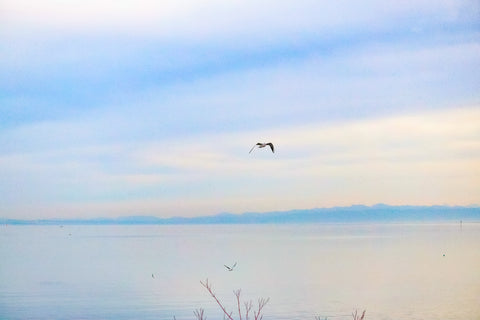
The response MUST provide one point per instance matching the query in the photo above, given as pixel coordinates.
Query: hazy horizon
(378, 213)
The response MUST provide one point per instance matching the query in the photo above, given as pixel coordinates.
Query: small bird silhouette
(230, 268)
(263, 145)
(153, 276)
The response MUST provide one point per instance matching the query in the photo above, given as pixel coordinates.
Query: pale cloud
(411, 159)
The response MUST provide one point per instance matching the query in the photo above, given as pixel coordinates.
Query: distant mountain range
(351, 214)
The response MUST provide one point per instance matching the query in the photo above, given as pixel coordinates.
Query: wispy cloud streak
(318, 165)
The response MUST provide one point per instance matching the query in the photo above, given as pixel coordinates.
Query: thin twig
(237, 294)
(261, 303)
(208, 286)
(357, 317)
(248, 307)
(199, 314)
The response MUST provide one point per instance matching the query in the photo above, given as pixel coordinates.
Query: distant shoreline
(379, 213)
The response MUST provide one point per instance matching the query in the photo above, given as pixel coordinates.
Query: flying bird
(263, 145)
(230, 268)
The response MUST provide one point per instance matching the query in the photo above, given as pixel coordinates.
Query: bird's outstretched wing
(271, 147)
(230, 268)
(253, 148)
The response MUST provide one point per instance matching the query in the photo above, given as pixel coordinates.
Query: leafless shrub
(257, 314)
(199, 314)
(358, 317)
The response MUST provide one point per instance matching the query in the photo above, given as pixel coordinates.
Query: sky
(123, 108)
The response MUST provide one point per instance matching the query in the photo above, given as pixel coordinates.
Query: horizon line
(289, 215)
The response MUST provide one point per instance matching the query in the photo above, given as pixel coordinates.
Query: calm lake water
(394, 271)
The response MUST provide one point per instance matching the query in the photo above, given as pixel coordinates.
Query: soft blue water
(105, 272)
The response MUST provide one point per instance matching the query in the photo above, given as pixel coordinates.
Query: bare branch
(248, 307)
(363, 315)
(237, 294)
(208, 286)
(357, 317)
(199, 314)
(261, 303)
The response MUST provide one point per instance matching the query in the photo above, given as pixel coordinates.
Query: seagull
(263, 145)
(230, 268)
(153, 276)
